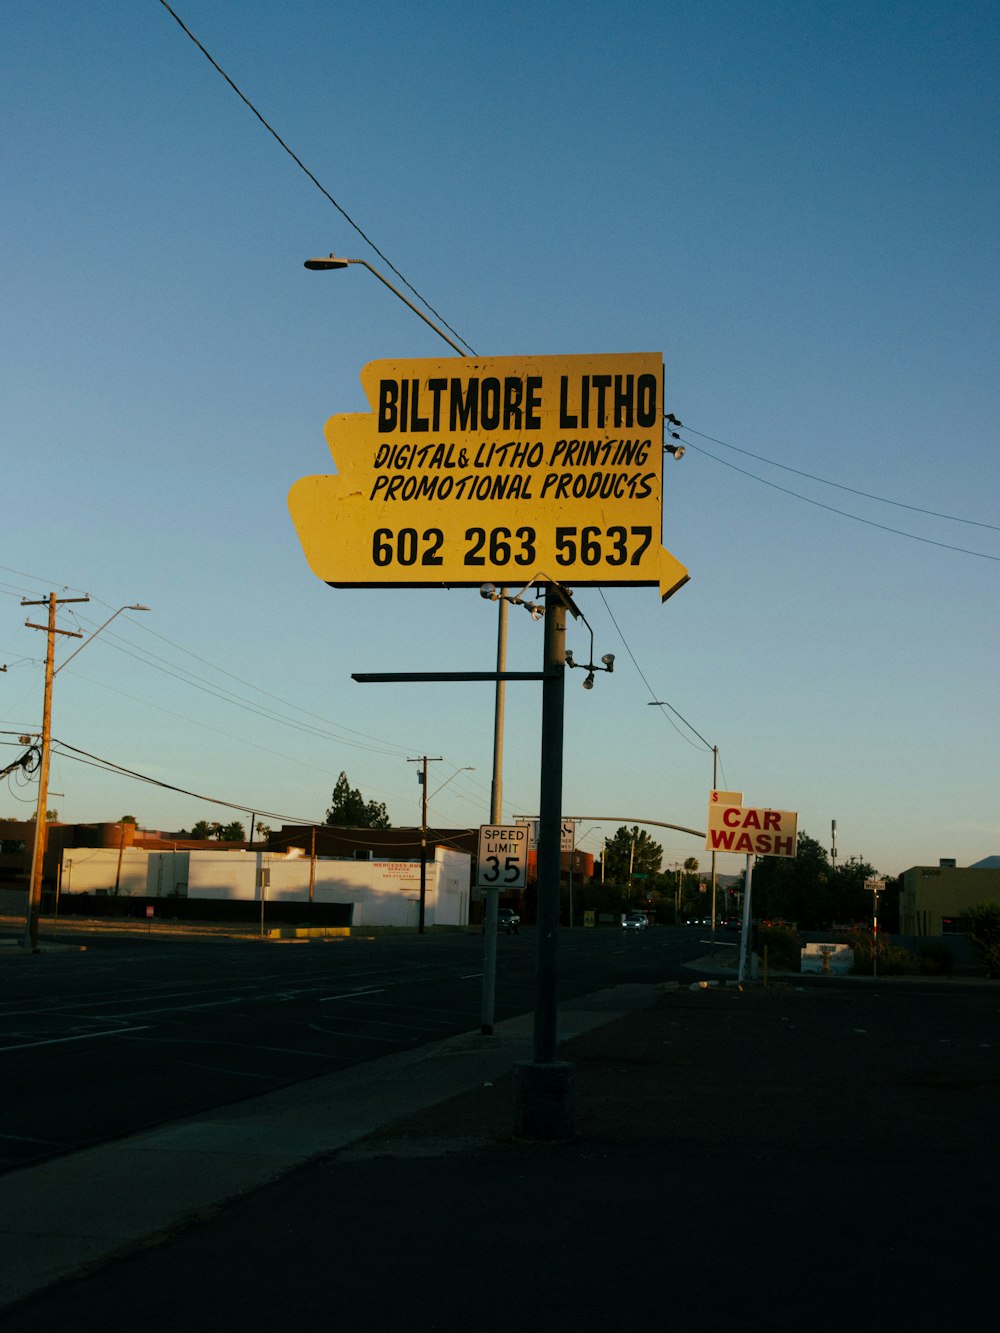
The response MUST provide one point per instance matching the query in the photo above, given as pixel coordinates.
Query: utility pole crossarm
(449, 677)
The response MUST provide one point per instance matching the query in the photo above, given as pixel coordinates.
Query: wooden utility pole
(38, 849)
(312, 865)
(424, 759)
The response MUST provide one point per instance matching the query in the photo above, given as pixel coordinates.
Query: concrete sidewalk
(814, 1155)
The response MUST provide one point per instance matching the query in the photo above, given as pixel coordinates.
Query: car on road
(634, 920)
(508, 920)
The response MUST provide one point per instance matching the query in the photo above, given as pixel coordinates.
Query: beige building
(935, 900)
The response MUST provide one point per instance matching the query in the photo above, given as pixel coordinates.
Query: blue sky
(795, 204)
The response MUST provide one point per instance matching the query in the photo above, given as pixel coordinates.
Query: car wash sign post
(752, 831)
(471, 470)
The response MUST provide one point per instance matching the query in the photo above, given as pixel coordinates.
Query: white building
(379, 893)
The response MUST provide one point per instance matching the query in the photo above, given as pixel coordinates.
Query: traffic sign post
(875, 887)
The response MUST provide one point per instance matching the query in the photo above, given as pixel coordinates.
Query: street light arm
(95, 634)
(416, 310)
(335, 262)
(469, 768)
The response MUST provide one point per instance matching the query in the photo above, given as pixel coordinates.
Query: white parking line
(352, 994)
(59, 1041)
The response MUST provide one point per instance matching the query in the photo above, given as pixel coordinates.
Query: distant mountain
(989, 863)
(726, 881)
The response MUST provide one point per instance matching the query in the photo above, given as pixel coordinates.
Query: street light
(469, 768)
(332, 262)
(95, 634)
(323, 265)
(576, 843)
(662, 703)
(33, 908)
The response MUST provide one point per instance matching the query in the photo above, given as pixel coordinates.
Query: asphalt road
(133, 1030)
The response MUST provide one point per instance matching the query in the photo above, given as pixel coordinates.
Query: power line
(227, 696)
(36, 578)
(824, 481)
(652, 693)
(366, 742)
(301, 165)
(218, 731)
(68, 751)
(832, 509)
(394, 749)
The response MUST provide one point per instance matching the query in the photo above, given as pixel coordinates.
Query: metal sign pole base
(544, 1089)
(544, 1099)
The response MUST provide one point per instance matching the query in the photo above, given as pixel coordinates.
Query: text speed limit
(503, 856)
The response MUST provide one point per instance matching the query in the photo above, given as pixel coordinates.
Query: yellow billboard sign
(501, 470)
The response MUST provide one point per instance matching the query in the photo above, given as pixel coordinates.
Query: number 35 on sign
(503, 856)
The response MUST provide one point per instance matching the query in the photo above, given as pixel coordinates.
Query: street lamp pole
(492, 896)
(333, 262)
(469, 768)
(661, 703)
(326, 264)
(715, 783)
(97, 631)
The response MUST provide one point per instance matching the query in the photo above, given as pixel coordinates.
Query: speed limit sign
(503, 856)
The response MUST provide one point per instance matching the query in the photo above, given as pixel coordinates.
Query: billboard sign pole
(503, 471)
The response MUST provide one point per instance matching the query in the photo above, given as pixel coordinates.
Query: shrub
(877, 952)
(781, 939)
(895, 961)
(985, 936)
(935, 959)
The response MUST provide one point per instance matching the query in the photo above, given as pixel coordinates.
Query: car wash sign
(749, 830)
(501, 470)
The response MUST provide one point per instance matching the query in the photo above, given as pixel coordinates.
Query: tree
(204, 830)
(349, 809)
(851, 901)
(128, 819)
(791, 887)
(692, 900)
(806, 889)
(631, 852)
